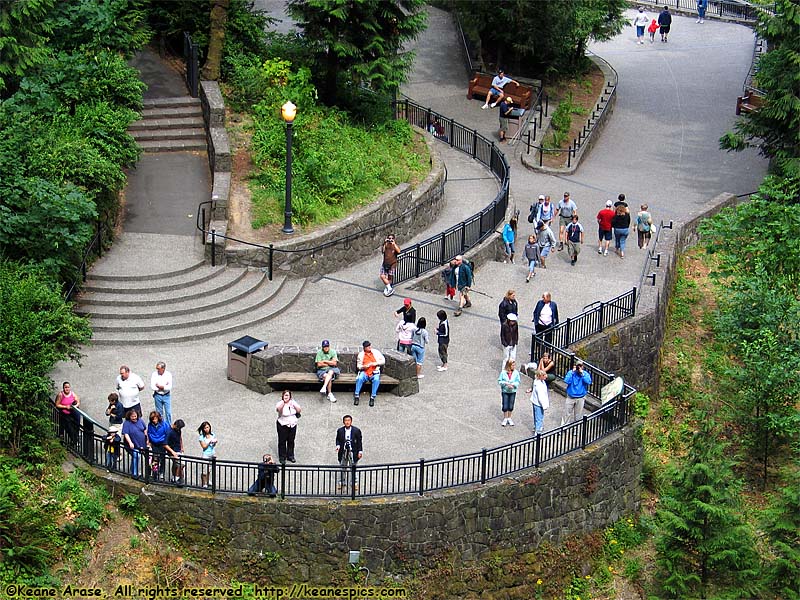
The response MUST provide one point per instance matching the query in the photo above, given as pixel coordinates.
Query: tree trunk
(216, 41)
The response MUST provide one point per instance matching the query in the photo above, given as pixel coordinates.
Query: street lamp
(288, 112)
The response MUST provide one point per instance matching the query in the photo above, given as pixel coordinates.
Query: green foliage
(23, 38)
(119, 26)
(359, 43)
(140, 522)
(775, 128)
(578, 588)
(703, 540)
(561, 120)
(781, 522)
(129, 504)
(270, 84)
(84, 505)
(543, 39)
(37, 330)
(641, 405)
(336, 166)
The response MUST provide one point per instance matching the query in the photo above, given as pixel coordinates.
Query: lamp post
(288, 112)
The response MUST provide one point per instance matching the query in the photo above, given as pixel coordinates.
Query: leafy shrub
(129, 504)
(561, 120)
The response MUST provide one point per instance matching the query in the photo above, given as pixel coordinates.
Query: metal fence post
(421, 476)
(213, 475)
(213, 248)
(88, 441)
(146, 465)
(602, 315)
(474, 143)
(269, 262)
(443, 254)
(353, 481)
(463, 237)
(567, 332)
(483, 465)
(633, 302)
(538, 447)
(416, 261)
(283, 481)
(584, 422)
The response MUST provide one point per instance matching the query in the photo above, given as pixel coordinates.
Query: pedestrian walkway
(659, 146)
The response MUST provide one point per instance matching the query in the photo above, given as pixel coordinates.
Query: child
(652, 30)
(405, 331)
(111, 444)
(115, 410)
(443, 336)
(451, 291)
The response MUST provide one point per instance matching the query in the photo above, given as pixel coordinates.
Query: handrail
(190, 58)
(731, 9)
(652, 257)
(94, 246)
(421, 257)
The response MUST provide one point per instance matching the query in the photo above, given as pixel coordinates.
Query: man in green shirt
(327, 362)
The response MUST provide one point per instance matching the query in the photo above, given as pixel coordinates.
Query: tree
(219, 16)
(37, 330)
(539, 38)
(775, 127)
(703, 539)
(359, 43)
(23, 37)
(781, 521)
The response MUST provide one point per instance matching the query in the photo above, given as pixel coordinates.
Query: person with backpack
(574, 235)
(644, 227)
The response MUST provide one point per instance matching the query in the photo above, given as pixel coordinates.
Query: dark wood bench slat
(343, 379)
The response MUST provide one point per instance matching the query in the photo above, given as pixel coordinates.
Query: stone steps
(170, 125)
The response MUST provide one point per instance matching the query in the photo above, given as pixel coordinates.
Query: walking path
(659, 146)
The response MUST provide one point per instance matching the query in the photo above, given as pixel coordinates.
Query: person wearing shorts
(390, 251)
(327, 363)
(604, 228)
(664, 22)
(565, 209)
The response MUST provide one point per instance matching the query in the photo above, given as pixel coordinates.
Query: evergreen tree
(781, 521)
(775, 128)
(24, 35)
(359, 41)
(703, 540)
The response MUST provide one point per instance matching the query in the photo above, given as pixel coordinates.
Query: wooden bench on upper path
(481, 82)
(749, 102)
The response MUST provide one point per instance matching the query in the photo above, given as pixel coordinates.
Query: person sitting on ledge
(369, 366)
(265, 482)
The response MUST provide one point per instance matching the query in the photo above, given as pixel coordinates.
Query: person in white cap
(509, 337)
(604, 228)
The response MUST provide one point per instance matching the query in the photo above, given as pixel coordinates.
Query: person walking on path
(532, 256)
(574, 235)
(509, 235)
(349, 450)
(540, 400)
(461, 279)
(604, 227)
(419, 340)
(565, 209)
(509, 337)
(369, 365)
(546, 240)
(640, 22)
(702, 5)
(546, 212)
(508, 305)
(509, 384)
(161, 384)
(545, 317)
(621, 223)
(665, 22)
(390, 250)
(327, 363)
(651, 29)
(443, 338)
(644, 227)
(578, 381)
(288, 413)
(506, 109)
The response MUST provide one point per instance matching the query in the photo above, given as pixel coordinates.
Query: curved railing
(434, 251)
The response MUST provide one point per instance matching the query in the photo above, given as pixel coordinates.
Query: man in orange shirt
(369, 370)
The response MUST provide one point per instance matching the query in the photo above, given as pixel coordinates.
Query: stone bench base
(278, 366)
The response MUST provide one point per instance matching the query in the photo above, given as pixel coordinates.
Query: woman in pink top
(66, 401)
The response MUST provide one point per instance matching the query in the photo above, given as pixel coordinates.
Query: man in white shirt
(128, 387)
(161, 384)
(495, 93)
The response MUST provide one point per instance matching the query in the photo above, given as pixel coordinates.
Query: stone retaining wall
(403, 211)
(633, 347)
(300, 359)
(308, 540)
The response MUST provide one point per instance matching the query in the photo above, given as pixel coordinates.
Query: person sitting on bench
(495, 93)
(369, 370)
(327, 362)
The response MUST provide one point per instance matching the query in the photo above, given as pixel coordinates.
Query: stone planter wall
(403, 211)
(300, 359)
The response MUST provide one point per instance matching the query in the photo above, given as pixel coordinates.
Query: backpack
(532, 215)
(574, 232)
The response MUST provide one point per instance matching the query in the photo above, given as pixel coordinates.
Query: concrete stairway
(192, 303)
(170, 125)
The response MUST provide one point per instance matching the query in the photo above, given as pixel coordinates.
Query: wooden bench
(480, 84)
(749, 103)
(348, 379)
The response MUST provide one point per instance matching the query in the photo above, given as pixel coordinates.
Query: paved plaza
(659, 146)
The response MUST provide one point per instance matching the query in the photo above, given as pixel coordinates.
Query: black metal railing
(652, 257)
(595, 117)
(433, 252)
(191, 60)
(86, 438)
(730, 9)
(104, 228)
